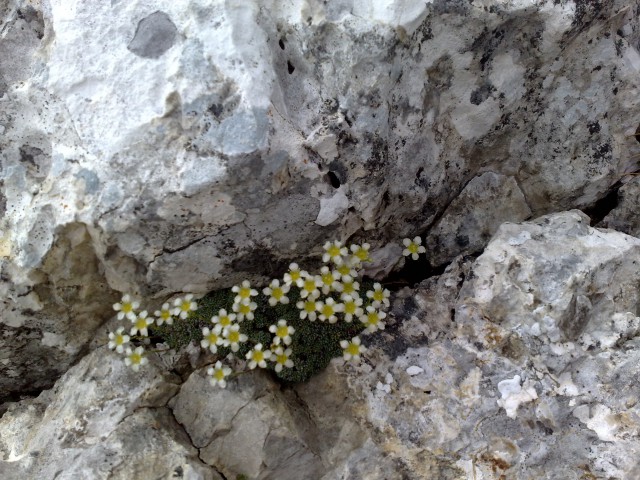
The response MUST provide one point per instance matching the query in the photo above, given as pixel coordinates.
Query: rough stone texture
(100, 421)
(473, 216)
(201, 143)
(519, 364)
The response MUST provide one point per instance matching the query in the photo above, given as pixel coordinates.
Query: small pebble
(414, 370)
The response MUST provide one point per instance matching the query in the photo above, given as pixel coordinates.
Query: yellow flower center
(344, 269)
(282, 359)
(225, 321)
(258, 355)
(212, 338)
(348, 288)
(282, 331)
(119, 339)
(350, 307)
(127, 307)
(218, 374)
(378, 295)
(310, 306)
(362, 254)
(327, 278)
(135, 358)
(277, 293)
(310, 285)
(327, 310)
(186, 306)
(245, 309)
(244, 292)
(233, 336)
(353, 349)
(295, 275)
(334, 251)
(413, 247)
(165, 314)
(141, 323)
(372, 318)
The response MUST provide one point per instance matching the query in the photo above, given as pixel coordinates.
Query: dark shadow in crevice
(603, 206)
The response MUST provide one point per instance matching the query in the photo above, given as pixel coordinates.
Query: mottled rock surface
(100, 421)
(196, 144)
(161, 147)
(521, 363)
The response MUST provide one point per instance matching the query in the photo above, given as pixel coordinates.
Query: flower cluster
(280, 326)
(127, 341)
(332, 295)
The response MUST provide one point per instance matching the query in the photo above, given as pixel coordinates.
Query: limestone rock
(191, 145)
(100, 421)
(521, 362)
(472, 218)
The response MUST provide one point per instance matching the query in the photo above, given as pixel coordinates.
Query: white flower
(118, 340)
(140, 324)
(414, 247)
(349, 288)
(164, 315)
(282, 358)
(328, 310)
(310, 286)
(234, 337)
(378, 296)
(244, 292)
(373, 320)
(334, 252)
(218, 374)
(277, 293)
(352, 307)
(212, 338)
(353, 349)
(329, 280)
(346, 271)
(283, 332)
(126, 307)
(258, 357)
(135, 358)
(183, 306)
(308, 307)
(361, 252)
(245, 310)
(223, 318)
(294, 276)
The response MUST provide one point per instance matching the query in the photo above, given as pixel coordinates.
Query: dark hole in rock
(290, 67)
(638, 134)
(333, 179)
(154, 35)
(281, 43)
(603, 206)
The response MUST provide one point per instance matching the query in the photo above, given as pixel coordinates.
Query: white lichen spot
(566, 386)
(599, 419)
(513, 394)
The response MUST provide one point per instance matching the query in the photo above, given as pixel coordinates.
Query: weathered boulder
(100, 421)
(520, 363)
(186, 145)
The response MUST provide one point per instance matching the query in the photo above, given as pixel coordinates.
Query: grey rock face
(520, 363)
(199, 144)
